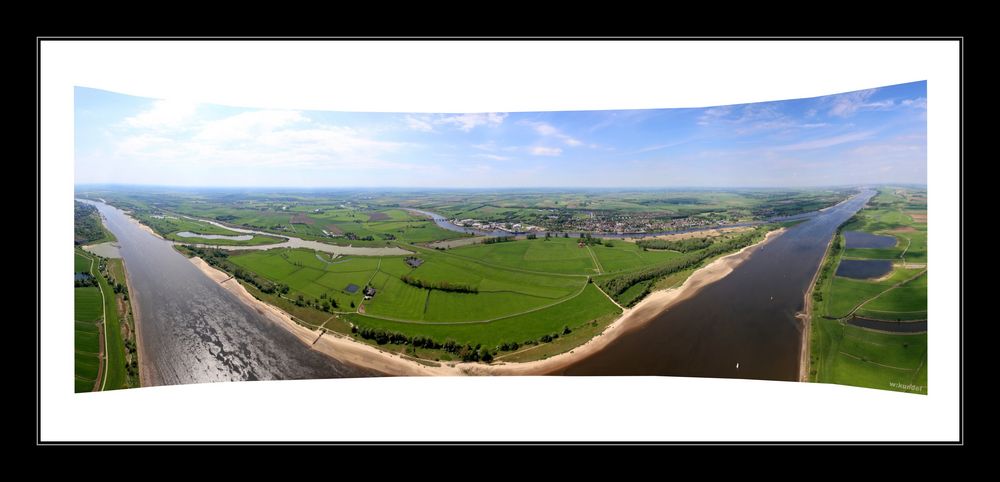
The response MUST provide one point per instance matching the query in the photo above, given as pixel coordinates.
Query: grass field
(481, 294)
(850, 355)
(86, 333)
(590, 305)
(90, 310)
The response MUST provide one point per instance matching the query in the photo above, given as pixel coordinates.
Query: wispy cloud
(918, 103)
(846, 105)
(467, 122)
(548, 130)
(493, 157)
(258, 138)
(462, 122)
(546, 151)
(163, 114)
(826, 141)
(417, 124)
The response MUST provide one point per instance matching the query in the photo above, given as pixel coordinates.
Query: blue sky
(872, 136)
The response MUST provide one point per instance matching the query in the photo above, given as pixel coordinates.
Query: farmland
(844, 353)
(104, 340)
(347, 218)
(470, 302)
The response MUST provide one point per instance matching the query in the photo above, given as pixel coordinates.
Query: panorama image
(782, 240)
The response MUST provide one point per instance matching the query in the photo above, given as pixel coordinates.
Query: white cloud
(846, 105)
(548, 130)
(419, 124)
(467, 122)
(493, 157)
(918, 103)
(710, 116)
(261, 138)
(248, 125)
(163, 114)
(546, 151)
(826, 141)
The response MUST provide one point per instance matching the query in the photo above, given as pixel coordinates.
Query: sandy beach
(806, 318)
(346, 349)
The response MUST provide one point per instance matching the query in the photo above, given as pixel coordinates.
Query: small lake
(189, 234)
(104, 250)
(890, 326)
(860, 239)
(864, 268)
(81, 276)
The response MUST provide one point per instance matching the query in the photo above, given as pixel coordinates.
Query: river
(747, 318)
(193, 331)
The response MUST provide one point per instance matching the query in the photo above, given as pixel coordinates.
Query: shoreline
(805, 345)
(349, 350)
(332, 344)
(632, 318)
(133, 304)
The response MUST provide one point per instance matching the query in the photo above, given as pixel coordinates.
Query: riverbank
(327, 342)
(805, 348)
(632, 318)
(349, 350)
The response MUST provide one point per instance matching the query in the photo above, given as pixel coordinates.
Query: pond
(860, 239)
(890, 326)
(104, 250)
(864, 268)
(241, 237)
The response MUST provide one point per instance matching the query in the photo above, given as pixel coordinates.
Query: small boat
(737, 365)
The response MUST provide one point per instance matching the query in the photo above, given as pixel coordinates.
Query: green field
(850, 355)
(887, 215)
(846, 354)
(87, 316)
(90, 311)
(588, 306)
(487, 295)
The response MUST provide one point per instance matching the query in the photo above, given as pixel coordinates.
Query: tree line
(439, 285)
(618, 284)
(682, 245)
(498, 239)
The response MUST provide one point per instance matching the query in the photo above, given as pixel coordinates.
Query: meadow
(847, 354)
(96, 310)
(501, 297)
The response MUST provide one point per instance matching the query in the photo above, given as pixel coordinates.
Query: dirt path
(605, 293)
(597, 264)
(873, 298)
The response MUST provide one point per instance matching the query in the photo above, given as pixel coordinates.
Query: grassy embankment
(846, 354)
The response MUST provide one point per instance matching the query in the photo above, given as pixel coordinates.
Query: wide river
(192, 330)
(746, 318)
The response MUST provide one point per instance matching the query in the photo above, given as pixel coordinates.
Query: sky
(874, 136)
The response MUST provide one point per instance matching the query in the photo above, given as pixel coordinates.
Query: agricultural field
(848, 354)
(87, 317)
(484, 299)
(98, 306)
(336, 218)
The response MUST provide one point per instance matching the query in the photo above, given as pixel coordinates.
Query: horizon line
(302, 188)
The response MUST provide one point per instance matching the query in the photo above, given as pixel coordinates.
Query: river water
(746, 318)
(193, 330)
